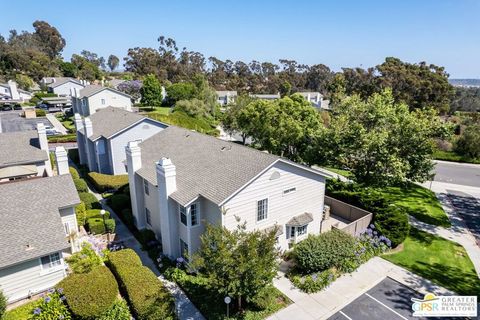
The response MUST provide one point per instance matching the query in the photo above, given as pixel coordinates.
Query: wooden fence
(360, 219)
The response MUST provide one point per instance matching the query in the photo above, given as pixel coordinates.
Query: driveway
(11, 121)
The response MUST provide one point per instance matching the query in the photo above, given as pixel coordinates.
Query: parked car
(17, 107)
(7, 107)
(42, 106)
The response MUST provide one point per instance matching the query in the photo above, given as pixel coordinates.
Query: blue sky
(338, 33)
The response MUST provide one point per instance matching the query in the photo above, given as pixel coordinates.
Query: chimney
(62, 160)
(167, 184)
(13, 90)
(134, 162)
(88, 127)
(78, 122)
(54, 80)
(43, 142)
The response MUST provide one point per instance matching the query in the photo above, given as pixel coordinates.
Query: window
(262, 209)
(183, 216)
(193, 214)
(103, 101)
(184, 250)
(292, 232)
(51, 261)
(145, 187)
(302, 230)
(148, 217)
(289, 190)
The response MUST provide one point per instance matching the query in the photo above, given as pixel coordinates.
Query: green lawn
(22, 312)
(342, 172)
(453, 156)
(419, 201)
(181, 119)
(440, 260)
(157, 110)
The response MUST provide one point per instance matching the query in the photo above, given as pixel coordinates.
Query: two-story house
(316, 99)
(226, 97)
(63, 86)
(37, 219)
(181, 180)
(24, 154)
(103, 136)
(10, 91)
(92, 98)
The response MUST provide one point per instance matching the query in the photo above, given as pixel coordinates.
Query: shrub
(80, 213)
(51, 307)
(71, 137)
(146, 235)
(104, 182)
(321, 252)
(127, 217)
(118, 202)
(265, 298)
(89, 200)
(74, 173)
(95, 213)
(90, 295)
(84, 260)
(314, 282)
(3, 304)
(96, 225)
(40, 113)
(147, 296)
(393, 224)
(110, 225)
(119, 311)
(80, 185)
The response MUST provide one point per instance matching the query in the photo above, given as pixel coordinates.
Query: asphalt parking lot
(11, 121)
(388, 300)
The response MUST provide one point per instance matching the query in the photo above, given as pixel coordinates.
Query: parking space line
(398, 314)
(343, 314)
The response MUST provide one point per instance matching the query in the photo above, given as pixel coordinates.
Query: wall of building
(111, 98)
(64, 89)
(102, 147)
(68, 217)
(19, 280)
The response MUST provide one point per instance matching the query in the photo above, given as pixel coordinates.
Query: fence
(360, 219)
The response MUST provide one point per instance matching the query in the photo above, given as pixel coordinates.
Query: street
(457, 173)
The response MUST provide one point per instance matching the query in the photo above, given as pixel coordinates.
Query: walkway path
(57, 124)
(185, 308)
(345, 289)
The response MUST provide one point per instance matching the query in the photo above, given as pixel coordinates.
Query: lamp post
(227, 300)
(102, 213)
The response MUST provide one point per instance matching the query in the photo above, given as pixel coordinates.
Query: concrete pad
(293, 311)
(312, 307)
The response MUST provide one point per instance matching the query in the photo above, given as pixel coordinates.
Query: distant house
(37, 217)
(180, 181)
(114, 83)
(226, 97)
(316, 98)
(10, 91)
(265, 96)
(90, 99)
(63, 86)
(24, 155)
(103, 136)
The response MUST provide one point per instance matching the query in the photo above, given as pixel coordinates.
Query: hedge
(147, 296)
(95, 213)
(104, 182)
(80, 185)
(119, 311)
(40, 113)
(118, 202)
(96, 225)
(89, 200)
(89, 295)
(74, 173)
(81, 215)
(72, 137)
(110, 225)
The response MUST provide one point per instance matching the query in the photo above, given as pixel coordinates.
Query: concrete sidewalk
(345, 289)
(57, 124)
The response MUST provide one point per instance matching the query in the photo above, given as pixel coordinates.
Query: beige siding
(111, 99)
(308, 197)
(28, 277)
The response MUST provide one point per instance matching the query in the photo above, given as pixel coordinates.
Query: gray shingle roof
(29, 215)
(90, 90)
(108, 121)
(20, 148)
(300, 220)
(60, 81)
(206, 166)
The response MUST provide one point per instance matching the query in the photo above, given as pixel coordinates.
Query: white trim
(54, 268)
(256, 210)
(189, 215)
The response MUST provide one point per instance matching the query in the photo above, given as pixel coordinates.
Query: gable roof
(20, 148)
(33, 218)
(108, 121)
(5, 85)
(91, 90)
(205, 166)
(60, 81)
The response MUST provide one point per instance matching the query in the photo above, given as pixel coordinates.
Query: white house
(226, 97)
(103, 136)
(181, 180)
(316, 98)
(10, 91)
(63, 86)
(38, 216)
(265, 96)
(92, 98)
(24, 155)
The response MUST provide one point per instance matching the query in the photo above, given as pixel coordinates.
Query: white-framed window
(184, 250)
(302, 230)
(51, 261)
(145, 187)
(289, 190)
(262, 209)
(293, 232)
(193, 214)
(183, 216)
(148, 217)
(103, 102)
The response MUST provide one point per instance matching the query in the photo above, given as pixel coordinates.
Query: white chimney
(88, 127)
(14, 95)
(134, 162)
(167, 184)
(43, 142)
(78, 122)
(62, 160)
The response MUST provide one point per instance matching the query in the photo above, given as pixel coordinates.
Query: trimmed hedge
(118, 202)
(147, 296)
(89, 200)
(119, 311)
(96, 225)
(104, 182)
(71, 137)
(81, 215)
(40, 113)
(95, 213)
(324, 251)
(110, 225)
(80, 185)
(89, 295)
(74, 173)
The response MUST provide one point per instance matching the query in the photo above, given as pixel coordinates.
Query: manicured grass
(22, 312)
(453, 156)
(158, 110)
(341, 172)
(419, 202)
(440, 260)
(183, 120)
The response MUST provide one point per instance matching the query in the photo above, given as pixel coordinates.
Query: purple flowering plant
(51, 307)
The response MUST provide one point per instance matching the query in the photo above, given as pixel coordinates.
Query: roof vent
(28, 247)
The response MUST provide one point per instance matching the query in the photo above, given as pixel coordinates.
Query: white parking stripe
(343, 314)
(398, 314)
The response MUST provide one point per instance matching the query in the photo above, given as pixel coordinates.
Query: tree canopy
(151, 91)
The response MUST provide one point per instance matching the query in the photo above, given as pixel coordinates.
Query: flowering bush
(51, 306)
(316, 281)
(84, 260)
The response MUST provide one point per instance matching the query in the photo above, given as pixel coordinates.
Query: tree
(285, 89)
(180, 91)
(469, 142)
(151, 91)
(3, 304)
(230, 117)
(113, 62)
(51, 39)
(68, 69)
(381, 141)
(237, 263)
(87, 69)
(131, 87)
(194, 107)
(24, 82)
